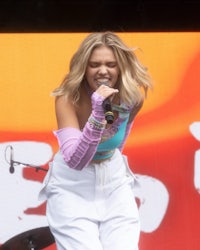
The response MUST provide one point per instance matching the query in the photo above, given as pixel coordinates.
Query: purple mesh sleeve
(78, 148)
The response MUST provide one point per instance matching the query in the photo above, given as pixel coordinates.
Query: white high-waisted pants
(92, 209)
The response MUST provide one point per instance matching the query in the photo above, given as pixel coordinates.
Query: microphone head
(12, 170)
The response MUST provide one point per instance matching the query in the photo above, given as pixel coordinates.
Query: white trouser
(92, 209)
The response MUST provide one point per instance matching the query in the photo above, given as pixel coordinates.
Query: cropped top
(114, 135)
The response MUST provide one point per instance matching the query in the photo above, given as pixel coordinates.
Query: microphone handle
(11, 169)
(109, 116)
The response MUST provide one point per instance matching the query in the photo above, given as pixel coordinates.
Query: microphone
(109, 116)
(11, 169)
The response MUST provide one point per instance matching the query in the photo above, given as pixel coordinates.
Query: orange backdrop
(160, 145)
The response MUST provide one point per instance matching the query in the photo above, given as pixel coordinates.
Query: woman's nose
(103, 69)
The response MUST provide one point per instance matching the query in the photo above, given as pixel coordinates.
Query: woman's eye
(96, 65)
(93, 65)
(111, 65)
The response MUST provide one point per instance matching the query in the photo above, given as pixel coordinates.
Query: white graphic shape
(17, 193)
(195, 131)
(154, 199)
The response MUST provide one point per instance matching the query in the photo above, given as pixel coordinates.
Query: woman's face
(102, 68)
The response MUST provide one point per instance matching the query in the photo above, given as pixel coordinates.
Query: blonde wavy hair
(132, 73)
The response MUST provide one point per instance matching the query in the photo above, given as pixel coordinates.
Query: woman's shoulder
(65, 112)
(63, 102)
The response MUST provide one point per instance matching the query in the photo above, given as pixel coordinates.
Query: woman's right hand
(106, 91)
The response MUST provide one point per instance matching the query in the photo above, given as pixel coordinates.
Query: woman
(89, 187)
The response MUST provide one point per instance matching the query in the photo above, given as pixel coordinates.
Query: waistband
(102, 155)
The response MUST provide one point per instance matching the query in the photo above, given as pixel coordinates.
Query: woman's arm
(78, 148)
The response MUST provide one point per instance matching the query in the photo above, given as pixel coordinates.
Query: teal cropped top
(114, 135)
